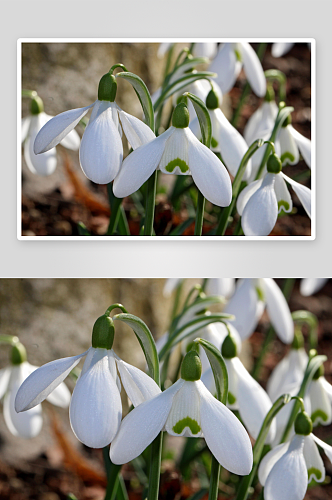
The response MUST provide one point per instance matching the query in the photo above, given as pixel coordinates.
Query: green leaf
(182, 227)
(203, 118)
(142, 94)
(82, 229)
(218, 368)
(146, 341)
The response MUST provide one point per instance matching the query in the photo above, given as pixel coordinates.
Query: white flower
(176, 151)
(292, 143)
(187, 408)
(247, 304)
(220, 286)
(229, 61)
(226, 140)
(245, 395)
(28, 424)
(286, 470)
(319, 393)
(101, 150)
(45, 163)
(95, 407)
(309, 286)
(279, 49)
(260, 202)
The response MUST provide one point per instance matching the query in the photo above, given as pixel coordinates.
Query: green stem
(29, 93)
(214, 479)
(225, 213)
(310, 320)
(150, 204)
(8, 339)
(112, 472)
(155, 462)
(199, 214)
(115, 204)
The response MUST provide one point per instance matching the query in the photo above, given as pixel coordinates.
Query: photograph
(162, 389)
(166, 138)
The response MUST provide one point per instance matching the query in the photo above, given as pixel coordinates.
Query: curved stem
(199, 214)
(150, 204)
(9, 339)
(155, 462)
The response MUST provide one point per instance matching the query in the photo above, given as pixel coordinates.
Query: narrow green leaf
(142, 94)
(218, 368)
(146, 341)
(82, 229)
(182, 227)
(203, 118)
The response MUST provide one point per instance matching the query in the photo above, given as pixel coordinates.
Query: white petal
(43, 381)
(196, 130)
(27, 424)
(278, 311)
(326, 387)
(326, 447)
(261, 123)
(137, 384)
(208, 172)
(321, 412)
(206, 49)
(269, 460)
(253, 69)
(303, 144)
(136, 131)
(142, 425)
(226, 66)
(57, 128)
(71, 141)
(95, 409)
(246, 307)
(261, 211)
(288, 148)
(220, 286)
(303, 193)
(314, 463)
(246, 194)
(232, 400)
(284, 198)
(208, 380)
(171, 284)
(43, 164)
(101, 149)
(225, 436)
(232, 145)
(60, 396)
(4, 380)
(288, 373)
(309, 286)
(25, 127)
(254, 403)
(139, 166)
(279, 49)
(288, 477)
(184, 418)
(163, 48)
(174, 159)
(252, 125)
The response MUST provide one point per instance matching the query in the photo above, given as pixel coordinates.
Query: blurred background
(66, 76)
(53, 318)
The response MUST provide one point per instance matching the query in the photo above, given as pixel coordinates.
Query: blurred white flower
(309, 286)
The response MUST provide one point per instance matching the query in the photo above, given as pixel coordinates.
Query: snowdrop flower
(45, 163)
(29, 424)
(101, 150)
(226, 140)
(188, 409)
(220, 286)
(229, 61)
(279, 49)
(247, 304)
(95, 408)
(309, 286)
(286, 470)
(260, 126)
(261, 201)
(292, 143)
(244, 393)
(176, 151)
(320, 396)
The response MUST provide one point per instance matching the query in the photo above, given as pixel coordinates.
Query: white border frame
(20, 41)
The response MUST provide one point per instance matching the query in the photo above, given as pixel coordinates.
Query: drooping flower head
(101, 150)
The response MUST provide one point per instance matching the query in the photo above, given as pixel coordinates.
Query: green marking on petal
(260, 293)
(214, 142)
(314, 472)
(287, 156)
(177, 163)
(319, 414)
(186, 422)
(231, 398)
(283, 204)
(238, 55)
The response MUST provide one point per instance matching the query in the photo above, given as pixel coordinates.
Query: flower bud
(107, 88)
(303, 424)
(229, 349)
(18, 354)
(36, 105)
(191, 368)
(180, 118)
(274, 164)
(103, 333)
(212, 100)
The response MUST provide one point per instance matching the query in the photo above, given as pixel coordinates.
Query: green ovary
(177, 163)
(315, 472)
(231, 398)
(260, 293)
(318, 414)
(214, 142)
(186, 422)
(287, 156)
(283, 204)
